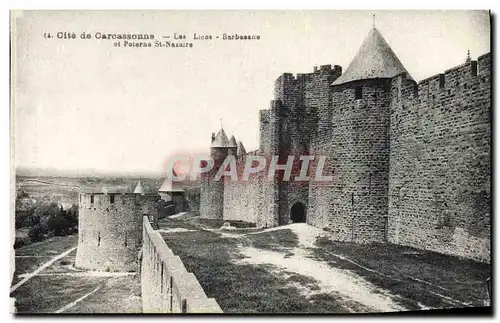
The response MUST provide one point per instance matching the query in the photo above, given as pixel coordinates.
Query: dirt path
(329, 279)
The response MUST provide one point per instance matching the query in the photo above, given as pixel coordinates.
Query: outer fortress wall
(166, 285)
(109, 236)
(439, 195)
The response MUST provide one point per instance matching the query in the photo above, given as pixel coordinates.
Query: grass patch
(279, 240)
(218, 223)
(119, 295)
(46, 294)
(405, 270)
(36, 254)
(52, 246)
(167, 223)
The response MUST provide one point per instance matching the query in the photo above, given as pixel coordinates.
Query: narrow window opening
(386, 229)
(352, 199)
(161, 280)
(98, 239)
(441, 81)
(112, 198)
(171, 293)
(473, 66)
(91, 198)
(359, 93)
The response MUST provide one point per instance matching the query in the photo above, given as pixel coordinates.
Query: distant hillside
(53, 172)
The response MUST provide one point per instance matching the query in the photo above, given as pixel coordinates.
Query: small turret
(467, 60)
(171, 191)
(241, 149)
(232, 146)
(139, 189)
(219, 147)
(169, 185)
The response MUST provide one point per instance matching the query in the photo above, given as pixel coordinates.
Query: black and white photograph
(227, 162)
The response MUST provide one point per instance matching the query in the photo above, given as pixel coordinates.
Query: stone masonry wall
(166, 285)
(109, 235)
(440, 162)
(211, 191)
(301, 103)
(319, 98)
(242, 200)
(359, 161)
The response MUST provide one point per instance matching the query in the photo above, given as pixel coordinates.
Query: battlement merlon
(457, 79)
(474, 67)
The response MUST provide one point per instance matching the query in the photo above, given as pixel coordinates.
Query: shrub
(37, 232)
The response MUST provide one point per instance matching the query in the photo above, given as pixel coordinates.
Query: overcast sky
(83, 104)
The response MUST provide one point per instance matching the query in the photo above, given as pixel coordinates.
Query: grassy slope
(417, 278)
(44, 251)
(241, 288)
(415, 275)
(46, 294)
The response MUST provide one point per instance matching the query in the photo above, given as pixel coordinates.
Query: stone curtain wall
(166, 285)
(440, 162)
(254, 201)
(242, 200)
(109, 235)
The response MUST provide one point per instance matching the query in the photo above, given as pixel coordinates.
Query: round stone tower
(361, 103)
(212, 192)
(109, 231)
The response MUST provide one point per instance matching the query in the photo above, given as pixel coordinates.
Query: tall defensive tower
(212, 192)
(361, 104)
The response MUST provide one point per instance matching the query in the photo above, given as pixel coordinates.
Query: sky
(85, 105)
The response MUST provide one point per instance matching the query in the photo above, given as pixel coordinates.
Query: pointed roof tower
(232, 142)
(169, 186)
(139, 189)
(220, 140)
(375, 59)
(241, 149)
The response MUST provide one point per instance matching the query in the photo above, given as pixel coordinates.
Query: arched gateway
(298, 213)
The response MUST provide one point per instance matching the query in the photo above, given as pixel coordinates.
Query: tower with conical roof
(139, 189)
(241, 151)
(171, 192)
(232, 146)
(212, 192)
(361, 99)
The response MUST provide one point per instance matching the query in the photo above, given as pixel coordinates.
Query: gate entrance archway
(298, 213)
